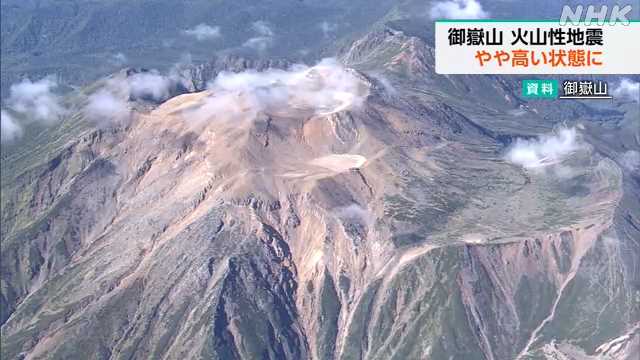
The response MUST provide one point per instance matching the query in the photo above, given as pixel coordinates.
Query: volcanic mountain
(359, 208)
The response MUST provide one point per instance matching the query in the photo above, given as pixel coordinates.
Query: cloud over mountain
(458, 9)
(106, 108)
(147, 85)
(9, 128)
(36, 100)
(150, 85)
(328, 28)
(629, 89)
(545, 150)
(264, 38)
(119, 59)
(321, 89)
(630, 160)
(203, 32)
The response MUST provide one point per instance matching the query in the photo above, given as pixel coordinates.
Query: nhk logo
(618, 15)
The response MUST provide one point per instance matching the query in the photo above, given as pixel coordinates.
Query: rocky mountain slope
(360, 212)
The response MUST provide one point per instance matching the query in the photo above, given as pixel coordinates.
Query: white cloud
(181, 70)
(546, 150)
(106, 108)
(109, 105)
(458, 9)
(259, 43)
(36, 100)
(322, 89)
(628, 89)
(203, 32)
(262, 28)
(150, 85)
(265, 37)
(385, 83)
(631, 160)
(119, 59)
(9, 127)
(327, 28)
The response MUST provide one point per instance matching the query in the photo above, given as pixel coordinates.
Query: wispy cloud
(328, 28)
(148, 85)
(119, 59)
(546, 150)
(259, 43)
(10, 130)
(630, 160)
(322, 89)
(203, 32)
(384, 83)
(36, 101)
(109, 105)
(458, 9)
(151, 85)
(628, 89)
(264, 38)
(104, 108)
(262, 28)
